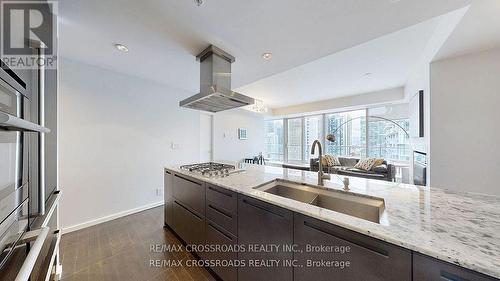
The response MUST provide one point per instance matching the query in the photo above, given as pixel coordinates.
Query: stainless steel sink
(363, 207)
(292, 193)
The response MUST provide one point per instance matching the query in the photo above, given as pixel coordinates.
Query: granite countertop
(461, 228)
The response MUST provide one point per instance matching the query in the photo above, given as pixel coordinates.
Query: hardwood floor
(120, 250)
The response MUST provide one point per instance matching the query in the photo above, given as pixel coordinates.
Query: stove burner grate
(209, 169)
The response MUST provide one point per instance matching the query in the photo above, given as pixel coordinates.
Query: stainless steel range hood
(215, 84)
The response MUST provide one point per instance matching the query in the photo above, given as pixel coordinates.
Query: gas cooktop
(209, 169)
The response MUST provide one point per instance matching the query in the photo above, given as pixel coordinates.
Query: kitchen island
(421, 231)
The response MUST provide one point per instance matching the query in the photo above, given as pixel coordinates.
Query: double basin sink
(367, 208)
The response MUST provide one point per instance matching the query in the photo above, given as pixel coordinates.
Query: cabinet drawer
(222, 217)
(215, 235)
(187, 224)
(260, 223)
(369, 258)
(430, 269)
(264, 208)
(222, 197)
(190, 192)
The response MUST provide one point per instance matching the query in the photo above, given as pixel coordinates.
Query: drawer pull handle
(370, 248)
(451, 277)
(185, 208)
(262, 208)
(189, 180)
(167, 172)
(220, 211)
(220, 191)
(220, 231)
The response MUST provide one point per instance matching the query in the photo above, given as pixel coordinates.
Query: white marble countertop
(461, 228)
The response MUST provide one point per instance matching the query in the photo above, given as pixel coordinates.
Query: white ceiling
(164, 36)
(385, 62)
(478, 30)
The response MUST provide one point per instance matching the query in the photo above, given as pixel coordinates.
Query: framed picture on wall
(242, 134)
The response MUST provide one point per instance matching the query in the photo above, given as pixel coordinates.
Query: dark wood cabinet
(168, 181)
(282, 245)
(221, 230)
(429, 269)
(218, 236)
(221, 208)
(187, 224)
(225, 198)
(264, 225)
(226, 219)
(188, 211)
(191, 192)
(329, 252)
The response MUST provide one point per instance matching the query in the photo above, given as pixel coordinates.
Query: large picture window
(388, 141)
(313, 130)
(294, 140)
(274, 133)
(351, 136)
(357, 135)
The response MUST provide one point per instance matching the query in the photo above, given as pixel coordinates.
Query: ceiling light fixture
(258, 107)
(367, 74)
(121, 47)
(199, 2)
(267, 56)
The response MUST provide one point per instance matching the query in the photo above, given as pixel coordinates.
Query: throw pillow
(378, 162)
(365, 164)
(335, 161)
(330, 160)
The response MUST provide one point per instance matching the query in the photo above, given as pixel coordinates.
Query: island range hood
(215, 84)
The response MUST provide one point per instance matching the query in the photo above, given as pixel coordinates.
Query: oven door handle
(28, 265)
(17, 124)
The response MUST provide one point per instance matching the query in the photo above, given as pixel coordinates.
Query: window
(388, 141)
(294, 140)
(290, 139)
(350, 136)
(274, 134)
(313, 130)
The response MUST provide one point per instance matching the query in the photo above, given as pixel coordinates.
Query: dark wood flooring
(120, 250)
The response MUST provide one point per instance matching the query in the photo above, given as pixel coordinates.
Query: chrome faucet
(321, 174)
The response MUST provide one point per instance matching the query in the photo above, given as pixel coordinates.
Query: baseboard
(109, 217)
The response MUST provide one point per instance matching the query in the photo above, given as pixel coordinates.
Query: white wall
(420, 80)
(116, 133)
(226, 144)
(390, 111)
(206, 135)
(354, 101)
(465, 99)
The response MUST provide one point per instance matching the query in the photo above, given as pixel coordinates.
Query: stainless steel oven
(15, 132)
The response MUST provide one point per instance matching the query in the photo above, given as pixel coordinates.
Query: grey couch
(383, 172)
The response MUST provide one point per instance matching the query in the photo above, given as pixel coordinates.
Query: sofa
(383, 172)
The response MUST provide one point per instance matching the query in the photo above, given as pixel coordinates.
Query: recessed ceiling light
(267, 56)
(121, 47)
(199, 2)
